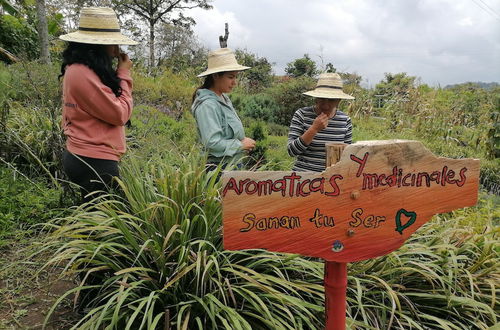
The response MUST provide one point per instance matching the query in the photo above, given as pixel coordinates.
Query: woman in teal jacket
(219, 127)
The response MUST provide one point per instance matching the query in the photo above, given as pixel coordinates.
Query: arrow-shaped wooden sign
(362, 207)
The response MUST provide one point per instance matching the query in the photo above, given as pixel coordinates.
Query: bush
(18, 37)
(257, 106)
(31, 134)
(288, 96)
(168, 92)
(257, 156)
(153, 131)
(23, 202)
(161, 249)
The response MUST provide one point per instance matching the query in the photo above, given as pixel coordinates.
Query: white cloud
(466, 21)
(210, 25)
(441, 41)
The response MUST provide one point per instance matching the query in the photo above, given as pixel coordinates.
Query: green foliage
(301, 67)
(362, 106)
(158, 247)
(149, 124)
(18, 37)
(493, 141)
(31, 119)
(288, 96)
(168, 92)
(161, 249)
(443, 277)
(394, 87)
(258, 106)
(179, 50)
(259, 76)
(257, 156)
(23, 202)
(277, 155)
(9, 7)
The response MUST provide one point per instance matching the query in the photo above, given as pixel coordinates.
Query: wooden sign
(362, 207)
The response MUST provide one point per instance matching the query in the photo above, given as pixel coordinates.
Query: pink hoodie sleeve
(99, 100)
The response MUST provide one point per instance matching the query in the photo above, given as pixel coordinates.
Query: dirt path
(26, 295)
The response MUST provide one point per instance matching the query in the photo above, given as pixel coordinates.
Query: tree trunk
(151, 44)
(43, 33)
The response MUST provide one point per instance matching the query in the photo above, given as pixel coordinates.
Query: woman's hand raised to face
(320, 122)
(124, 61)
(247, 143)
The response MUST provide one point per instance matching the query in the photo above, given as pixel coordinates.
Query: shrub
(257, 156)
(149, 124)
(18, 37)
(31, 130)
(23, 202)
(161, 249)
(168, 92)
(288, 96)
(257, 106)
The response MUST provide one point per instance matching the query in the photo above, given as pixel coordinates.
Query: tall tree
(154, 11)
(43, 32)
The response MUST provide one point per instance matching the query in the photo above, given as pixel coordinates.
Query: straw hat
(222, 60)
(329, 86)
(98, 25)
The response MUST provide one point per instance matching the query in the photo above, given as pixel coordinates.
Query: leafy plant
(159, 252)
(257, 106)
(304, 66)
(257, 156)
(23, 202)
(288, 96)
(18, 37)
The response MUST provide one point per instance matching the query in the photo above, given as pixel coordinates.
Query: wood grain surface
(366, 205)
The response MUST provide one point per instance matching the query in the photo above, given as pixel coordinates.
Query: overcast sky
(441, 41)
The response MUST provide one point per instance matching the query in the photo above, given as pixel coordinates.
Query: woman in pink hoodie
(97, 100)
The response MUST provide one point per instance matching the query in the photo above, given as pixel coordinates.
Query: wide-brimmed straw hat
(222, 60)
(98, 25)
(329, 86)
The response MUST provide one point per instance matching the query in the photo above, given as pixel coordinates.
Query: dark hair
(208, 83)
(97, 59)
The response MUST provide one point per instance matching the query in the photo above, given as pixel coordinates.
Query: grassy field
(156, 248)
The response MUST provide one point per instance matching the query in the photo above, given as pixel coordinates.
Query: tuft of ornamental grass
(445, 276)
(158, 252)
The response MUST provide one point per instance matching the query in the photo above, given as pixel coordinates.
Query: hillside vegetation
(156, 248)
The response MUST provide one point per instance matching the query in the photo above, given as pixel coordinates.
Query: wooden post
(335, 276)
(223, 39)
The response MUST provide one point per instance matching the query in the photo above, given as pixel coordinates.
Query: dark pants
(91, 174)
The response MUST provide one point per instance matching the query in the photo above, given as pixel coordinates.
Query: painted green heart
(410, 214)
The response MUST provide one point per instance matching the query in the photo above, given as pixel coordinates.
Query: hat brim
(329, 94)
(98, 38)
(224, 69)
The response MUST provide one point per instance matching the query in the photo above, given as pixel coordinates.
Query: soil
(27, 293)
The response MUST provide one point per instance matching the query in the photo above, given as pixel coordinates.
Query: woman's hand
(321, 122)
(124, 61)
(318, 124)
(247, 143)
